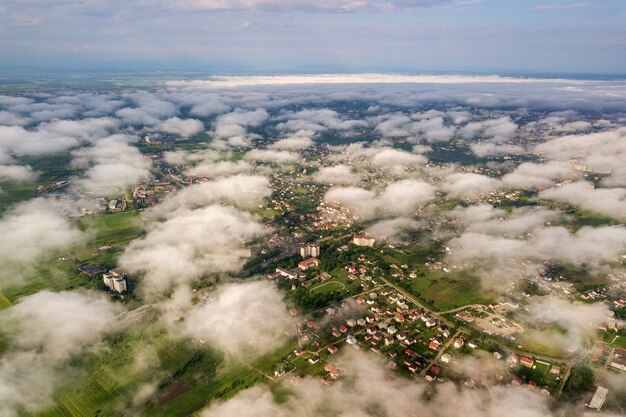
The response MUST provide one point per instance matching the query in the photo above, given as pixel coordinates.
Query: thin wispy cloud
(565, 6)
(315, 5)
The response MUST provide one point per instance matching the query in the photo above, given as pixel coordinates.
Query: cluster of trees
(253, 263)
(580, 380)
(334, 258)
(309, 301)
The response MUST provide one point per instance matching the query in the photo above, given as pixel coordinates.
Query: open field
(615, 340)
(535, 346)
(50, 274)
(327, 286)
(4, 301)
(447, 291)
(437, 289)
(213, 381)
(50, 168)
(118, 229)
(14, 193)
(146, 357)
(114, 377)
(113, 228)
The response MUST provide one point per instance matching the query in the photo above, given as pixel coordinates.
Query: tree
(580, 380)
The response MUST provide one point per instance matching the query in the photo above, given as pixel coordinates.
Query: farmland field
(50, 274)
(14, 193)
(118, 228)
(445, 291)
(60, 275)
(440, 290)
(4, 301)
(185, 377)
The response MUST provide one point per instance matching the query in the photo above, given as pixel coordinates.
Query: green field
(113, 228)
(615, 340)
(266, 213)
(51, 168)
(50, 274)
(440, 290)
(132, 358)
(327, 286)
(445, 291)
(4, 301)
(118, 229)
(218, 384)
(14, 193)
(538, 347)
(414, 255)
(146, 356)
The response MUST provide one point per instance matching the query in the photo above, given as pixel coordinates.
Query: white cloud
(30, 231)
(112, 166)
(279, 157)
(315, 120)
(499, 259)
(240, 81)
(401, 198)
(610, 202)
(218, 169)
(299, 140)
(45, 330)
(232, 128)
(244, 191)
(404, 197)
(181, 127)
(337, 175)
(578, 322)
(392, 229)
(244, 320)
(150, 109)
(369, 389)
(532, 175)
(395, 158)
(601, 151)
(496, 130)
(17, 173)
(469, 185)
(432, 129)
(189, 245)
(185, 157)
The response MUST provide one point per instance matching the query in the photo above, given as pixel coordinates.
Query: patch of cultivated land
(116, 229)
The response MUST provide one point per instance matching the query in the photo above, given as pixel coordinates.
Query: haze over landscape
(294, 208)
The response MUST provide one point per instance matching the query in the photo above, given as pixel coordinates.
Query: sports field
(327, 286)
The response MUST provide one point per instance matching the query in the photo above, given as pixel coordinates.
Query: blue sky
(317, 35)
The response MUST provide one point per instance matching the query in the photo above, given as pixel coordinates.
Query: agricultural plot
(15, 193)
(113, 228)
(131, 362)
(60, 275)
(111, 381)
(446, 291)
(51, 274)
(4, 301)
